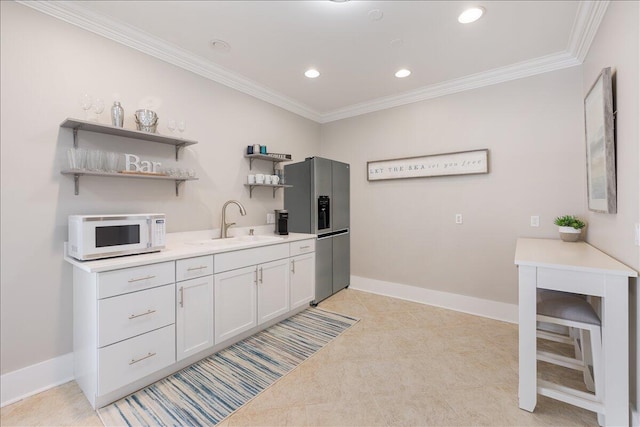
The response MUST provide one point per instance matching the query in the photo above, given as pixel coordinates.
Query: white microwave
(105, 236)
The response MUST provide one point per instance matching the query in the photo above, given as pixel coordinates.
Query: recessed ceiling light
(471, 15)
(375, 14)
(220, 45)
(312, 73)
(402, 73)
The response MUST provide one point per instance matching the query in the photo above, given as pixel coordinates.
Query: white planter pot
(569, 234)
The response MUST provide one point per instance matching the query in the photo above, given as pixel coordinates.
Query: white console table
(582, 269)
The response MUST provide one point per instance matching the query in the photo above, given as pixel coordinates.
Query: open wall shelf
(77, 125)
(78, 173)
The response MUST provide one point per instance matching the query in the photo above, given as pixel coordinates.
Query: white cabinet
(273, 289)
(135, 358)
(194, 305)
(123, 327)
(133, 326)
(235, 299)
(302, 279)
(302, 272)
(253, 291)
(135, 313)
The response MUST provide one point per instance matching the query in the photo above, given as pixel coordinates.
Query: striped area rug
(210, 390)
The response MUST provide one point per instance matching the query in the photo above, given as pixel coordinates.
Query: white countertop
(578, 256)
(177, 247)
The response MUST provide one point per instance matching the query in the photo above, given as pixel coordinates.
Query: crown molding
(520, 70)
(75, 14)
(585, 27)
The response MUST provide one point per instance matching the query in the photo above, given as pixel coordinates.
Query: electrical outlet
(458, 218)
(535, 221)
(271, 218)
(637, 226)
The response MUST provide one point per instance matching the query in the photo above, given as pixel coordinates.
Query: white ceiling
(272, 43)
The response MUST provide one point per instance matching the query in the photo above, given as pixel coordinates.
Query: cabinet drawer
(135, 313)
(128, 361)
(243, 258)
(112, 283)
(194, 267)
(302, 247)
(578, 282)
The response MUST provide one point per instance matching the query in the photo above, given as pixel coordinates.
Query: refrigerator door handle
(332, 234)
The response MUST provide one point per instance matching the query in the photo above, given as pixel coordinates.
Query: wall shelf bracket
(75, 137)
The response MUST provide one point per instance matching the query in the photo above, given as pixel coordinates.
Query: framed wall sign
(601, 158)
(460, 163)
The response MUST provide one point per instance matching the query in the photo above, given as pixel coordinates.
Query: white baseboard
(466, 304)
(25, 382)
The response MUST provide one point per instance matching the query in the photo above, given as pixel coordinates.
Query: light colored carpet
(208, 391)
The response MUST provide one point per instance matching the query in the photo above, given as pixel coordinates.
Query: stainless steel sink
(234, 241)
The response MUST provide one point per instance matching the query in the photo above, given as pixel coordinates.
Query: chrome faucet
(225, 226)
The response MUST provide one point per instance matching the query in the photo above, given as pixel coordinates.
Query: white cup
(251, 179)
(275, 179)
(267, 179)
(259, 178)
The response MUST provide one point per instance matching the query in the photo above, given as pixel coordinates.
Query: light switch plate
(637, 239)
(271, 218)
(535, 221)
(458, 218)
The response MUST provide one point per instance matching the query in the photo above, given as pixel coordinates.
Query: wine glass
(171, 125)
(98, 108)
(181, 127)
(86, 102)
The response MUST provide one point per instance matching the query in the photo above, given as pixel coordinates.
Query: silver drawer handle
(196, 268)
(133, 316)
(305, 247)
(142, 358)
(141, 278)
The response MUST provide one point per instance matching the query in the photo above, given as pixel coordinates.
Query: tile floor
(403, 364)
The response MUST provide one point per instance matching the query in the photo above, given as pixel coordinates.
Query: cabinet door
(194, 316)
(235, 299)
(273, 289)
(302, 279)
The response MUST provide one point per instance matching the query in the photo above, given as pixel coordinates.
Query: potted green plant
(570, 227)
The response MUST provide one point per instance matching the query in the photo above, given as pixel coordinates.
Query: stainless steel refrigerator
(318, 203)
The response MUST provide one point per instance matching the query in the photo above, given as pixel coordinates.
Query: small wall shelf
(274, 186)
(267, 157)
(78, 173)
(77, 125)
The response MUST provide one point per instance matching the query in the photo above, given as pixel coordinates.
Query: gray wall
(617, 45)
(404, 230)
(46, 66)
